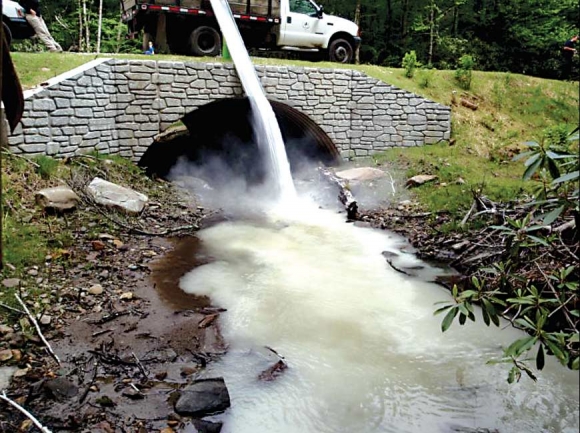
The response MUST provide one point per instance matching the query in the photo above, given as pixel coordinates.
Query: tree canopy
(520, 36)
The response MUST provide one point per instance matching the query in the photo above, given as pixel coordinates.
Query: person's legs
(566, 68)
(37, 23)
(56, 45)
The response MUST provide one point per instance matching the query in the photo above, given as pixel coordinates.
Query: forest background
(519, 36)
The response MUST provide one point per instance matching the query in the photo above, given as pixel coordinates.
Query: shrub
(425, 78)
(410, 64)
(463, 72)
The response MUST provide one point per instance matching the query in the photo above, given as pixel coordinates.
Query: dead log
(468, 104)
(344, 194)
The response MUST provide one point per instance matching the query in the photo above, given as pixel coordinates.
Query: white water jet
(267, 130)
(365, 353)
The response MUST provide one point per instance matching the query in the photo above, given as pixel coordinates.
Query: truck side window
(302, 7)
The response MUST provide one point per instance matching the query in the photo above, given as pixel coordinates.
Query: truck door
(301, 26)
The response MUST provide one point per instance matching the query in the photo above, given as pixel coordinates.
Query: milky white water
(267, 130)
(364, 351)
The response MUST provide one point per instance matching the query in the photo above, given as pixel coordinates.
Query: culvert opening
(219, 136)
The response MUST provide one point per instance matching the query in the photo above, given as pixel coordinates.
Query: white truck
(14, 21)
(189, 27)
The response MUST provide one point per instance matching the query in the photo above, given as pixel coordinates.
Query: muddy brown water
(160, 326)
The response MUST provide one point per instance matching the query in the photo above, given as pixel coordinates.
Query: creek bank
(124, 353)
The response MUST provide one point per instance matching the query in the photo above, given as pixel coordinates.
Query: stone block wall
(117, 106)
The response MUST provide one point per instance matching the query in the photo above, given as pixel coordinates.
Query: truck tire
(205, 41)
(7, 33)
(340, 51)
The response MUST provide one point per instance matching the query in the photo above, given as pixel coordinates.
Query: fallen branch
(140, 366)
(35, 323)
(8, 307)
(28, 415)
(344, 194)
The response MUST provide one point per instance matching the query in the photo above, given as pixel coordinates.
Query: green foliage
(425, 78)
(410, 64)
(47, 166)
(463, 73)
(546, 306)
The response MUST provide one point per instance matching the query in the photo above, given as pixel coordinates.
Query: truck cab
(305, 25)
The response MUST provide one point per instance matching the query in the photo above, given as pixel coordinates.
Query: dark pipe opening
(222, 130)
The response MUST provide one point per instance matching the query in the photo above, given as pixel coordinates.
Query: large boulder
(361, 174)
(113, 195)
(60, 198)
(203, 397)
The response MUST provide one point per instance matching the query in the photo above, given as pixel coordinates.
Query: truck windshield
(302, 7)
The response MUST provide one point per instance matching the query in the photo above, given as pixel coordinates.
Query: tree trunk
(100, 26)
(357, 22)
(404, 18)
(431, 32)
(86, 24)
(80, 26)
(161, 35)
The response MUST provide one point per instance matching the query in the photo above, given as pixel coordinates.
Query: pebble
(11, 282)
(45, 319)
(97, 289)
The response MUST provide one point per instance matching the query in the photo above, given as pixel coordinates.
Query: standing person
(34, 18)
(568, 51)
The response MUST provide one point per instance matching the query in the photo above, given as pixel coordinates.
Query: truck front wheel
(340, 51)
(205, 41)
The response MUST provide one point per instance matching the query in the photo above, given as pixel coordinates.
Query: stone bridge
(118, 106)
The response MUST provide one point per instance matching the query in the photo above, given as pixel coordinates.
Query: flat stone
(61, 388)
(60, 198)
(203, 397)
(11, 282)
(113, 195)
(361, 173)
(6, 374)
(420, 179)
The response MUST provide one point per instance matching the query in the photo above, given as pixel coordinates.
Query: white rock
(361, 173)
(60, 198)
(113, 195)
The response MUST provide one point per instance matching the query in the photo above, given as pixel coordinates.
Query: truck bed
(266, 8)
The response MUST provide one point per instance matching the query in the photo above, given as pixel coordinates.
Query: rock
(203, 397)
(98, 245)
(126, 296)
(132, 393)
(60, 198)
(97, 289)
(389, 254)
(112, 195)
(11, 282)
(420, 180)
(361, 174)
(5, 329)
(6, 374)
(203, 426)
(61, 388)
(45, 319)
(5, 355)
(460, 246)
(33, 272)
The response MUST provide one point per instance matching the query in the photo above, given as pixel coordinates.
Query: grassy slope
(511, 109)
